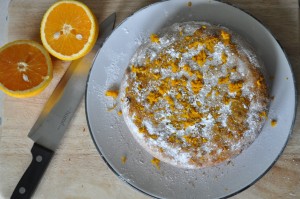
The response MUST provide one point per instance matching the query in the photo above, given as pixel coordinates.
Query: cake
(194, 95)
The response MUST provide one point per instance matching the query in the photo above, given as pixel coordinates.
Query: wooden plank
(257, 4)
(77, 170)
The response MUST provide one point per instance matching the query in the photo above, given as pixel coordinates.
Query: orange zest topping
(235, 86)
(200, 58)
(223, 80)
(153, 97)
(123, 159)
(260, 81)
(188, 69)
(273, 122)
(197, 85)
(154, 38)
(137, 69)
(156, 163)
(263, 114)
(195, 44)
(112, 93)
(224, 58)
(225, 36)
(210, 43)
(233, 70)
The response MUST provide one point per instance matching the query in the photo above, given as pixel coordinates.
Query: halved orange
(25, 68)
(69, 30)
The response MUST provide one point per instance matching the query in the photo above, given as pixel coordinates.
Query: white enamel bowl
(113, 139)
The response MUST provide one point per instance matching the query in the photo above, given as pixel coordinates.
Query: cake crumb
(123, 159)
(156, 163)
(120, 113)
(273, 122)
(112, 93)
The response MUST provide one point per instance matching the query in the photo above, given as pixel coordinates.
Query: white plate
(113, 139)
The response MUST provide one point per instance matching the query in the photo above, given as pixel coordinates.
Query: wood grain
(77, 170)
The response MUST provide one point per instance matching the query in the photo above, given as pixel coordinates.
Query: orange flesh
(12, 61)
(62, 17)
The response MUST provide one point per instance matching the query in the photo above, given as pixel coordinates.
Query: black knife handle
(32, 176)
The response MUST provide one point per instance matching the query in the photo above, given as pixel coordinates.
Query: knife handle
(32, 176)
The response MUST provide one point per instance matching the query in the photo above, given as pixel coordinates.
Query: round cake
(194, 95)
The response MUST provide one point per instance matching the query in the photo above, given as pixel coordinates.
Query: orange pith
(69, 30)
(25, 68)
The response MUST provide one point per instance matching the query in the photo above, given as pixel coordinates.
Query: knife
(57, 113)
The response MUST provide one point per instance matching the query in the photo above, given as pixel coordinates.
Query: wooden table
(77, 170)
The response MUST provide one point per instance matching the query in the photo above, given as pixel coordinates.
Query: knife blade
(57, 113)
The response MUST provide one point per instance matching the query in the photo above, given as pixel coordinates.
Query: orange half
(25, 68)
(69, 30)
